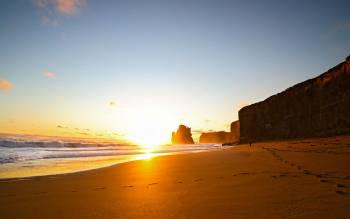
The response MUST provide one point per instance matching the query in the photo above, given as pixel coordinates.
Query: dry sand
(291, 179)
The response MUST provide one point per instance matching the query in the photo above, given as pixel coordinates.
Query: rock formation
(316, 107)
(183, 135)
(228, 138)
(235, 132)
(215, 137)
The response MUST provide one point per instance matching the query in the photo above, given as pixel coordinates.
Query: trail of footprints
(148, 186)
(322, 177)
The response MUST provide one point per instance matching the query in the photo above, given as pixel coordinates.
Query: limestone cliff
(215, 137)
(316, 107)
(235, 131)
(221, 136)
(183, 135)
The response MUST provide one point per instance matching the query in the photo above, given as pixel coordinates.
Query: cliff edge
(314, 108)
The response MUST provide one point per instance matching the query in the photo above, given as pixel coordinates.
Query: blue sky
(194, 62)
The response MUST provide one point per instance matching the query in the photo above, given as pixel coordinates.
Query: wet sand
(290, 179)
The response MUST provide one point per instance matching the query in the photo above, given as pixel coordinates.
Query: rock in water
(183, 135)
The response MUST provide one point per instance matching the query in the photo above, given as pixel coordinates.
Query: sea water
(25, 156)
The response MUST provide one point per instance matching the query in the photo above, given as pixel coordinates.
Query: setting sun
(149, 127)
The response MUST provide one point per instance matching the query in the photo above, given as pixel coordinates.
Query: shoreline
(137, 157)
(296, 178)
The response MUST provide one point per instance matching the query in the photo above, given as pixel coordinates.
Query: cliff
(235, 131)
(215, 137)
(314, 108)
(221, 136)
(183, 135)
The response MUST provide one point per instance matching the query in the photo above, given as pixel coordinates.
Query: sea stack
(183, 135)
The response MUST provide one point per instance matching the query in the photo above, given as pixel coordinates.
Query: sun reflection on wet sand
(147, 155)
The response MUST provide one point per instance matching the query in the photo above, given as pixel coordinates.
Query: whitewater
(27, 156)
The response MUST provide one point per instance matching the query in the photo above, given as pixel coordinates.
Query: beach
(307, 178)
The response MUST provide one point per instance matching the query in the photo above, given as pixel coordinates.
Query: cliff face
(316, 107)
(183, 135)
(215, 137)
(222, 137)
(235, 131)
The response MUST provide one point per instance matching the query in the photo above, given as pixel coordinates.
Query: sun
(148, 136)
(148, 126)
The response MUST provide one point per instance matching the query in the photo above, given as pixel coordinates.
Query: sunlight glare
(149, 126)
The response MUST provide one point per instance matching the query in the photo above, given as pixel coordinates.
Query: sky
(135, 70)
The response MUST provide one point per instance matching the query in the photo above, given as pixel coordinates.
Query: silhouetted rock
(235, 132)
(226, 138)
(183, 135)
(316, 107)
(215, 137)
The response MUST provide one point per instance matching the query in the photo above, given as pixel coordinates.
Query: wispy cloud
(342, 26)
(49, 74)
(6, 85)
(197, 131)
(52, 10)
(69, 7)
(41, 3)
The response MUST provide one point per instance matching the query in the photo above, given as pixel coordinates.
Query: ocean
(26, 156)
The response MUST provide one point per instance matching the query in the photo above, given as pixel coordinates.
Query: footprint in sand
(340, 192)
(197, 180)
(341, 185)
(151, 184)
(307, 172)
(128, 186)
(40, 193)
(99, 188)
(9, 195)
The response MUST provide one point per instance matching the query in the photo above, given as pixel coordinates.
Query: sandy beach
(291, 179)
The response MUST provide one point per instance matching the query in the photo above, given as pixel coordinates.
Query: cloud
(69, 7)
(197, 131)
(206, 120)
(5, 85)
(49, 74)
(52, 11)
(41, 3)
(342, 27)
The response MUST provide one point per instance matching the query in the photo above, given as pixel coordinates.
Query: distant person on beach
(250, 144)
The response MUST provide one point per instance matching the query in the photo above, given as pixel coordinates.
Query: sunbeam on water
(32, 157)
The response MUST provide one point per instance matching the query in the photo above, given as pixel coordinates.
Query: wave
(16, 150)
